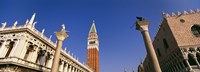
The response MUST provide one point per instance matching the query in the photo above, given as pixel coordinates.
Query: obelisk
(61, 35)
(142, 25)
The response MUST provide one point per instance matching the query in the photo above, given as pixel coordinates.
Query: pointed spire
(163, 14)
(185, 12)
(167, 15)
(15, 24)
(68, 52)
(173, 14)
(191, 11)
(77, 58)
(4, 25)
(27, 21)
(179, 13)
(93, 28)
(50, 37)
(65, 49)
(32, 19)
(43, 31)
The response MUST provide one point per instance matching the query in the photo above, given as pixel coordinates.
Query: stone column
(49, 64)
(61, 66)
(60, 37)
(35, 53)
(5, 50)
(2, 52)
(72, 69)
(69, 70)
(23, 49)
(195, 58)
(190, 68)
(142, 25)
(14, 48)
(66, 67)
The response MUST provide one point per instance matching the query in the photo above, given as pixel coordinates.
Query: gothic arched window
(196, 30)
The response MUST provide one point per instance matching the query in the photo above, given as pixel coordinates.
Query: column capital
(142, 24)
(61, 35)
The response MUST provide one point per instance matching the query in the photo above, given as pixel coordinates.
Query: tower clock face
(92, 42)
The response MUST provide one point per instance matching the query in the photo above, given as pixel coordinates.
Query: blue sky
(120, 45)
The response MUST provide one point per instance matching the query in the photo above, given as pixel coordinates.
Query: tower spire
(32, 19)
(93, 28)
(93, 49)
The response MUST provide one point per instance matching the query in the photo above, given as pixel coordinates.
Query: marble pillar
(142, 25)
(60, 37)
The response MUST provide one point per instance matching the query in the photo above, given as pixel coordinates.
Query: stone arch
(191, 59)
(196, 30)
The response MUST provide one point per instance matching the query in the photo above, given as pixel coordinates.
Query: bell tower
(93, 49)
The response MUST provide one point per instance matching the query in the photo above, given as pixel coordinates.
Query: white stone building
(25, 49)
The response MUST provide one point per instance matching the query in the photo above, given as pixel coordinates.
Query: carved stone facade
(177, 43)
(25, 49)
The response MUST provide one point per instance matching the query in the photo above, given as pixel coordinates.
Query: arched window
(196, 30)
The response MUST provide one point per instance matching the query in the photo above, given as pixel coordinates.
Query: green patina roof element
(93, 29)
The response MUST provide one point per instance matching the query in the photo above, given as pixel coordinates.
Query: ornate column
(31, 54)
(190, 68)
(23, 48)
(195, 58)
(5, 50)
(142, 25)
(2, 52)
(61, 66)
(35, 53)
(49, 64)
(72, 68)
(65, 68)
(69, 70)
(14, 48)
(60, 37)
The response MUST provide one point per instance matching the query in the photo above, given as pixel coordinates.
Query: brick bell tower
(93, 49)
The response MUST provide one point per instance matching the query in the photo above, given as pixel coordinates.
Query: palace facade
(177, 43)
(25, 49)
